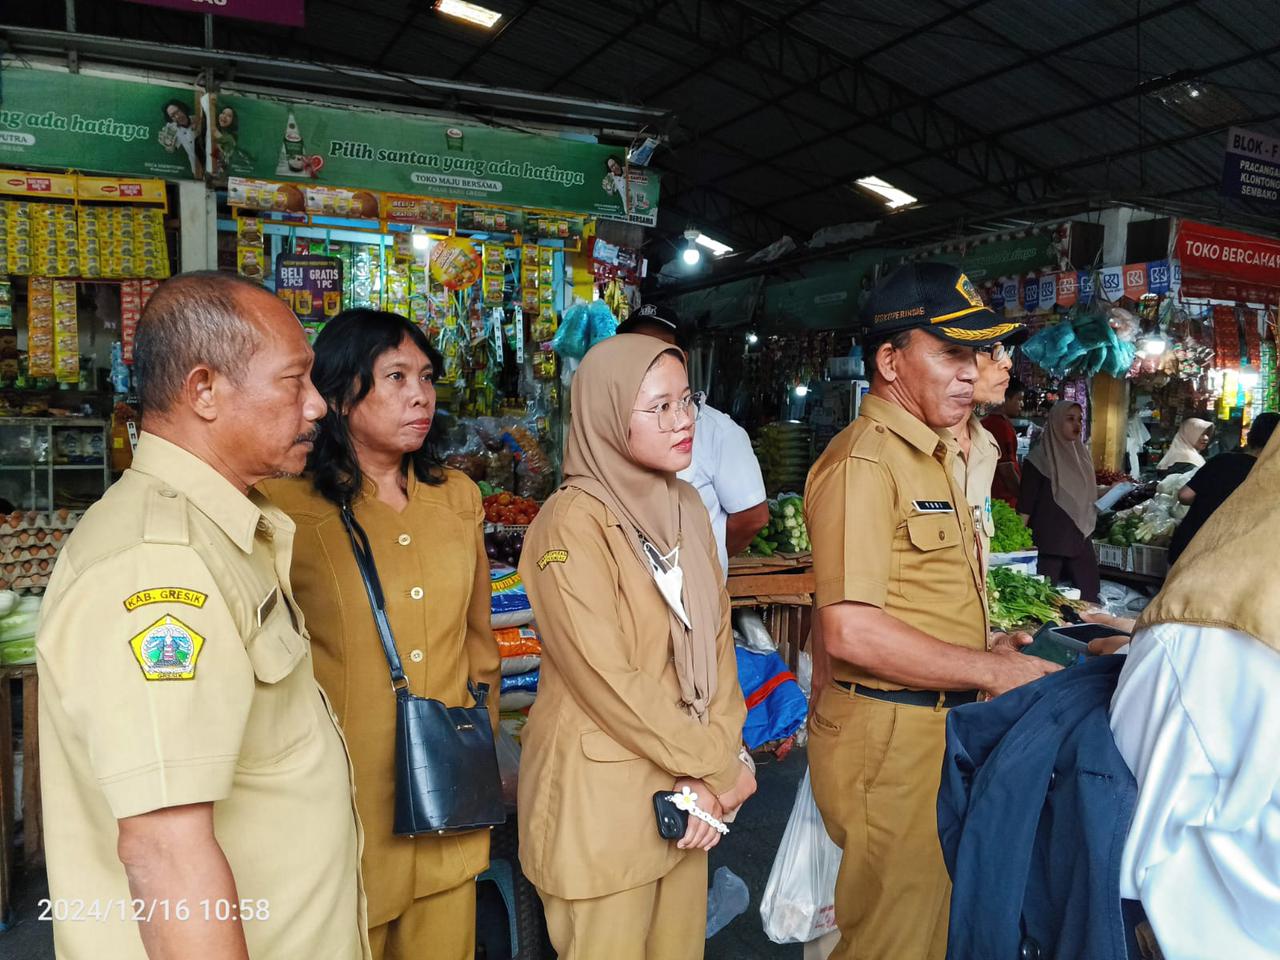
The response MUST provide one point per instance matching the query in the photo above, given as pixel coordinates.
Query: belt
(913, 698)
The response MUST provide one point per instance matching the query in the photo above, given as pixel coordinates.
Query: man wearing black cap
(900, 599)
(724, 470)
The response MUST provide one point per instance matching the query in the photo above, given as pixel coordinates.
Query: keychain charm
(687, 801)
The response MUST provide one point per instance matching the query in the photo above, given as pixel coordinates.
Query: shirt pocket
(931, 563)
(283, 714)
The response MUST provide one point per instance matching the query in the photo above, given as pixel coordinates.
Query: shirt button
(415, 656)
(942, 534)
(403, 539)
(416, 593)
(170, 494)
(879, 429)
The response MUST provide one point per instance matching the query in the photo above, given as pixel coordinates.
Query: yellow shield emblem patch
(167, 650)
(967, 290)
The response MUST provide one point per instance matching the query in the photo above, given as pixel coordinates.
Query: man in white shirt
(1196, 717)
(724, 470)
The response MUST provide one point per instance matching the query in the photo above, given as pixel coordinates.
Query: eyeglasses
(999, 353)
(669, 412)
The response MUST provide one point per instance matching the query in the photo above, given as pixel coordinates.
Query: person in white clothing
(1195, 716)
(724, 470)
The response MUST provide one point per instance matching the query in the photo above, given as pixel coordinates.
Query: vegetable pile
(1018, 599)
(509, 509)
(1150, 522)
(786, 531)
(504, 546)
(1107, 477)
(1011, 533)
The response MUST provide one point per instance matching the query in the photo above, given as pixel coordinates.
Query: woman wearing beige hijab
(639, 690)
(1057, 501)
(1186, 453)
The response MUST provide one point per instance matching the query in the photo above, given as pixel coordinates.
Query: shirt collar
(977, 433)
(207, 490)
(917, 433)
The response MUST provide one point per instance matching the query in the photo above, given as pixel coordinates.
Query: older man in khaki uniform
(197, 791)
(900, 592)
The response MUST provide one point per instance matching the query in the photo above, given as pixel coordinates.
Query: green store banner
(1004, 258)
(71, 120)
(402, 153)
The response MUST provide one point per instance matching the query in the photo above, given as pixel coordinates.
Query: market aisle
(759, 832)
(749, 853)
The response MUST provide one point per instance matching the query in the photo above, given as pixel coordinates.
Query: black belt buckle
(913, 698)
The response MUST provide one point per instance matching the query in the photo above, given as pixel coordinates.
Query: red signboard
(1219, 253)
(285, 12)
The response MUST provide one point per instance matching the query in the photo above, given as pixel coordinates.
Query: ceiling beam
(835, 72)
(1138, 90)
(912, 118)
(886, 115)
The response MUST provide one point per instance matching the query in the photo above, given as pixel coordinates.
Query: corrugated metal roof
(777, 105)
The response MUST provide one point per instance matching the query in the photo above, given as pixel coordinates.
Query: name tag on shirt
(267, 605)
(932, 506)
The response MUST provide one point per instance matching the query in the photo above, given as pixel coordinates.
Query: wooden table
(782, 587)
(33, 832)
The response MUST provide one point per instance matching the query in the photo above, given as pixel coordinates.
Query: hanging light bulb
(752, 339)
(691, 254)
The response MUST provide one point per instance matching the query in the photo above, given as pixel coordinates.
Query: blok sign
(1251, 167)
(288, 13)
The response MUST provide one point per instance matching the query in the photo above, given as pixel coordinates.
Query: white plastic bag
(799, 900)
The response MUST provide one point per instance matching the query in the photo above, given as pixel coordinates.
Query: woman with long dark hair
(376, 454)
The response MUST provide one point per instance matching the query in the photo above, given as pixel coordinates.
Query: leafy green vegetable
(1017, 599)
(1011, 533)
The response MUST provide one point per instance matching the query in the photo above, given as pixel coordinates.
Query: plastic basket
(1148, 561)
(1024, 561)
(1111, 556)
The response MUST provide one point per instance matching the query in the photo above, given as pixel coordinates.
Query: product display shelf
(51, 462)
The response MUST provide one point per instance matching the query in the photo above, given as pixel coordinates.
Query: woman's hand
(740, 793)
(700, 835)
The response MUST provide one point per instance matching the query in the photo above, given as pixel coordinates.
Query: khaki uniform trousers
(663, 920)
(875, 768)
(441, 926)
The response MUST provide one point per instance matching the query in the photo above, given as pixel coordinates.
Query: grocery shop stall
(98, 168)
(1217, 363)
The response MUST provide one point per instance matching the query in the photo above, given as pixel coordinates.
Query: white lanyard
(667, 574)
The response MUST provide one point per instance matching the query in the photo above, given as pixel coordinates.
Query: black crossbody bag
(446, 765)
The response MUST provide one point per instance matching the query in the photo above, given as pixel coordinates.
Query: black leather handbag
(446, 765)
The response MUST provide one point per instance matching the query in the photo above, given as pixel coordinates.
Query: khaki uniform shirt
(175, 669)
(892, 528)
(609, 729)
(435, 576)
(974, 475)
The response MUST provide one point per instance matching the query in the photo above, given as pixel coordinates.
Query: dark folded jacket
(1033, 811)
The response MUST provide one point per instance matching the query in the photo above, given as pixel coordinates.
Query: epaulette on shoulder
(868, 445)
(165, 517)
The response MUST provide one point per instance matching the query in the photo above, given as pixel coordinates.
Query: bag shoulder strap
(373, 589)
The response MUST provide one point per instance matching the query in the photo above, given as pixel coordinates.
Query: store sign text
(1217, 252)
